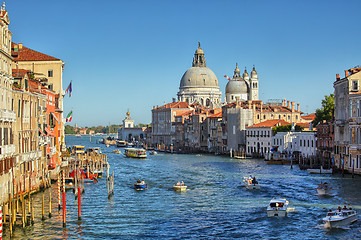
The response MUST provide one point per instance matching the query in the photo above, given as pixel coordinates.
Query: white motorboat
(340, 217)
(324, 189)
(277, 207)
(251, 183)
(320, 171)
(180, 187)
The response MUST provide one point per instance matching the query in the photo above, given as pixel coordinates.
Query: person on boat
(178, 184)
(143, 182)
(339, 208)
(138, 181)
(344, 207)
(182, 183)
(254, 181)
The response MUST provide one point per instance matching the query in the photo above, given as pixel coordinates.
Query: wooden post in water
(42, 208)
(1, 222)
(23, 211)
(64, 202)
(59, 206)
(79, 203)
(14, 212)
(49, 203)
(32, 211)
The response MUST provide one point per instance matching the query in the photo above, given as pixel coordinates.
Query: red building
(324, 142)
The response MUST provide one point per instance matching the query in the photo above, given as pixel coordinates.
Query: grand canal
(215, 207)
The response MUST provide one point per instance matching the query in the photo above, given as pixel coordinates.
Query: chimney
(337, 77)
(288, 103)
(293, 106)
(237, 101)
(284, 102)
(346, 73)
(298, 107)
(249, 104)
(20, 46)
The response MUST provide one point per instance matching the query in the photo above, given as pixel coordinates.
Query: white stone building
(130, 133)
(259, 137)
(290, 142)
(199, 84)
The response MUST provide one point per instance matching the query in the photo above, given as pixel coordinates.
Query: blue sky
(132, 54)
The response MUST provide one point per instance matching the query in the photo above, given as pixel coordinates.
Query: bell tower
(253, 83)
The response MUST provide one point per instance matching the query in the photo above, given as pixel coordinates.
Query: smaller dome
(199, 51)
(254, 73)
(236, 87)
(245, 74)
(237, 69)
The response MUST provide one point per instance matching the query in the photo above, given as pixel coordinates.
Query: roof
(178, 114)
(27, 54)
(20, 73)
(311, 117)
(271, 123)
(173, 105)
(216, 115)
(303, 125)
(258, 104)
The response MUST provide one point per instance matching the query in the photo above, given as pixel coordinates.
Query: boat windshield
(276, 204)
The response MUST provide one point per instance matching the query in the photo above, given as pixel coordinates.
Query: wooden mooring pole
(42, 208)
(64, 202)
(79, 203)
(49, 203)
(59, 205)
(1, 222)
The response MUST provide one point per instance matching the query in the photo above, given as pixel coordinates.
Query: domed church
(199, 84)
(243, 87)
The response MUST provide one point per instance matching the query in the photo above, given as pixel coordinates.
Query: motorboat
(340, 217)
(117, 151)
(277, 207)
(140, 185)
(78, 135)
(152, 152)
(324, 188)
(320, 170)
(180, 187)
(135, 152)
(54, 170)
(121, 143)
(251, 183)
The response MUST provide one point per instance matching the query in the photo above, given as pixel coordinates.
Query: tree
(326, 111)
(286, 128)
(69, 129)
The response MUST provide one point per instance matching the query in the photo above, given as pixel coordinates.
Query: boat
(320, 170)
(69, 186)
(78, 149)
(135, 152)
(180, 187)
(54, 170)
(277, 207)
(117, 151)
(251, 182)
(340, 217)
(121, 143)
(94, 150)
(324, 189)
(152, 152)
(78, 135)
(140, 185)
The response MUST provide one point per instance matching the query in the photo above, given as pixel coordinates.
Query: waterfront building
(7, 114)
(211, 130)
(290, 142)
(199, 84)
(130, 133)
(325, 141)
(259, 137)
(163, 119)
(346, 119)
(242, 87)
(50, 67)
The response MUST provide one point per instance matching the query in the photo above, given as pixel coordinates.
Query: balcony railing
(7, 149)
(7, 115)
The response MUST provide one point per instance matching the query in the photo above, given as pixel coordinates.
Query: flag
(227, 77)
(69, 89)
(69, 117)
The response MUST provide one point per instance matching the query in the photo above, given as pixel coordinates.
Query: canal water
(216, 206)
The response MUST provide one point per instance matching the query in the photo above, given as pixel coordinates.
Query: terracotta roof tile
(174, 105)
(311, 116)
(27, 54)
(216, 115)
(271, 123)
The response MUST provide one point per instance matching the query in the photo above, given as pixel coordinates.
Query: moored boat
(180, 187)
(320, 170)
(340, 217)
(140, 185)
(117, 151)
(152, 152)
(135, 152)
(324, 189)
(277, 207)
(251, 182)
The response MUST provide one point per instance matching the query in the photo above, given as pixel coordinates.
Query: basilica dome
(199, 77)
(237, 87)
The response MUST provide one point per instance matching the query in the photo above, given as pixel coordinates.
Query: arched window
(208, 102)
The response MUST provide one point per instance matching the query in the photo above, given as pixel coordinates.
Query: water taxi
(324, 189)
(320, 171)
(135, 153)
(180, 187)
(251, 183)
(277, 207)
(340, 217)
(116, 151)
(121, 143)
(140, 185)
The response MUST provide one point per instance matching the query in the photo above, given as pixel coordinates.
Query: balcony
(7, 115)
(43, 140)
(30, 156)
(7, 149)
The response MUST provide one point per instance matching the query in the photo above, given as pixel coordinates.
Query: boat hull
(276, 213)
(339, 223)
(321, 191)
(180, 188)
(252, 186)
(140, 186)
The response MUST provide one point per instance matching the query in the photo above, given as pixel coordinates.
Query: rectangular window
(355, 85)
(50, 73)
